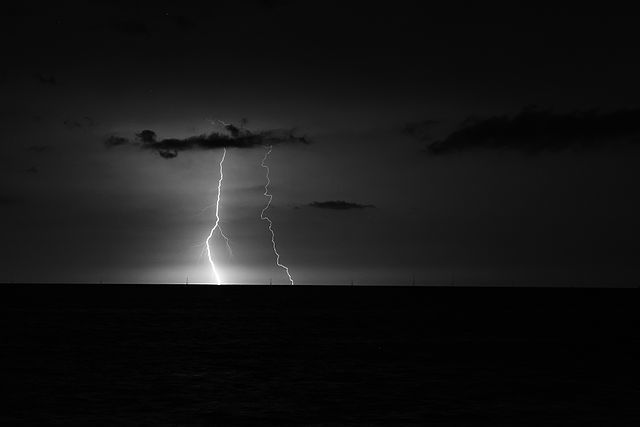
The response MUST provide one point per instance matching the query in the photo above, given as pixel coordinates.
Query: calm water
(176, 355)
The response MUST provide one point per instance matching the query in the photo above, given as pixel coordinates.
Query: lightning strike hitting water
(217, 224)
(266, 218)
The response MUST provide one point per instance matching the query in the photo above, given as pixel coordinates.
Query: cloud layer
(535, 130)
(233, 137)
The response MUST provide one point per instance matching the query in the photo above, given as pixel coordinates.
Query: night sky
(483, 144)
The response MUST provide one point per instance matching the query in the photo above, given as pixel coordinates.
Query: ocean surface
(131, 355)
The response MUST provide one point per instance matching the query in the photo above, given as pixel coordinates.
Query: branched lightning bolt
(217, 224)
(266, 218)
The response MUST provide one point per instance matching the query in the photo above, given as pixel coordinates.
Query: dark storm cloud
(339, 205)
(234, 137)
(535, 130)
(115, 141)
(147, 137)
(168, 154)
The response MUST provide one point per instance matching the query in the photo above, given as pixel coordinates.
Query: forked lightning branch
(218, 227)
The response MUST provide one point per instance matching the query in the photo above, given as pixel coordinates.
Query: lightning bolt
(217, 225)
(266, 218)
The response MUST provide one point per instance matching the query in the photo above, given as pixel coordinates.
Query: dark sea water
(318, 356)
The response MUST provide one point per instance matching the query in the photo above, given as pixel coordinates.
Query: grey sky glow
(408, 151)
